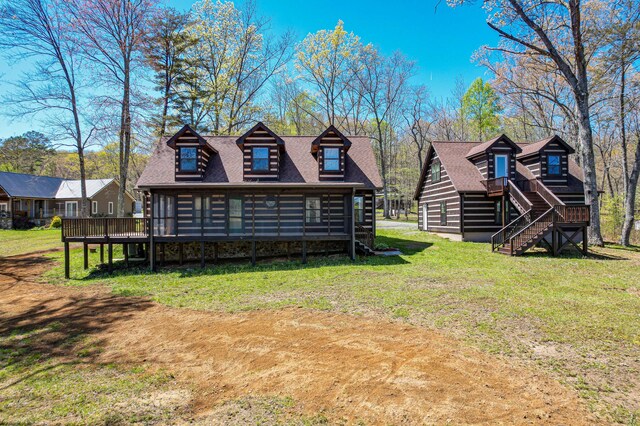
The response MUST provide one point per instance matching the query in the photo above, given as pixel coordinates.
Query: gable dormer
(548, 160)
(192, 153)
(262, 151)
(495, 158)
(330, 150)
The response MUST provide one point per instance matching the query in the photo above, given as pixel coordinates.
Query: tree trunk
(125, 138)
(630, 198)
(585, 137)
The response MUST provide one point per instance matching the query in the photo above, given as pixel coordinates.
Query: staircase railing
(496, 186)
(518, 199)
(535, 227)
(499, 238)
(364, 236)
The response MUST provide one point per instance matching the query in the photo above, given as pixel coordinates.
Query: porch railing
(105, 227)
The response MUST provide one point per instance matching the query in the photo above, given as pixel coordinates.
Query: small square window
(553, 165)
(188, 159)
(435, 172)
(260, 159)
(332, 159)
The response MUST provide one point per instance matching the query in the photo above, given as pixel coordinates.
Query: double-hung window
(188, 159)
(435, 172)
(260, 157)
(313, 210)
(235, 214)
(358, 208)
(332, 159)
(553, 165)
(443, 213)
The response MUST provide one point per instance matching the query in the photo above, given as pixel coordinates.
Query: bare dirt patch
(345, 367)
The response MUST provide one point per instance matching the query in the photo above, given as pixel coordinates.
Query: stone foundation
(242, 249)
(5, 223)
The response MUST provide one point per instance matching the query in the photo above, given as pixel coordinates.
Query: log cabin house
(37, 199)
(515, 195)
(257, 195)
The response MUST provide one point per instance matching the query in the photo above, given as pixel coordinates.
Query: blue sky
(440, 39)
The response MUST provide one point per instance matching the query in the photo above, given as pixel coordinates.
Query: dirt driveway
(347, 367)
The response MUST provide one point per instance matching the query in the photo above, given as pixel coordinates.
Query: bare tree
(38, 29)
(418, 123)
(555, 31)
(111, 33)
(382, 82)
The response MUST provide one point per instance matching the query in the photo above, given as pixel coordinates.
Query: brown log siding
(434, 193)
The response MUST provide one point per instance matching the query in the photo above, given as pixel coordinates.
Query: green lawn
(576, 317)
(14, 242)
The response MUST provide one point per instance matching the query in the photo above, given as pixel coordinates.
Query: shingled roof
(297, 164)
(465, 176)
(535, 147)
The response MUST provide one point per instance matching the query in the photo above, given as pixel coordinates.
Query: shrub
(56, 222)
(22, 222)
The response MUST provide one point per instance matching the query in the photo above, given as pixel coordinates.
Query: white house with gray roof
(39, 198)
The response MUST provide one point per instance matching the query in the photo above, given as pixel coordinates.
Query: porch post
(304, 251)
(85, 253)
(554, 240)
(585, 241)
(125, 250)
(253, 253)
(152, 243)
(101, 253)
(110, 255)
(66, 260)
(201, 254)
(352, 225)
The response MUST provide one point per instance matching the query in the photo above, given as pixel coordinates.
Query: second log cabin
(515, 195)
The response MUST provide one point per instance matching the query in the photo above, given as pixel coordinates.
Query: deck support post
(110, 256)
(152, 255)
(162, 246)
(352, 226)
(253, 253)
(585, 241)
(181, 254)
(554, 241)
(202, 263)
(85, 255)
(304, 251)
(215, 252)
(125, 251)
(66, 260)
(101, 253)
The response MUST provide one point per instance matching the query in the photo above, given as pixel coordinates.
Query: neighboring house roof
(71, 188)
(24, 185)
(297, 164)
(465, 176)
(30, 186)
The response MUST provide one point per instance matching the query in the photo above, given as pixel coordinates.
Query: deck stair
(543, 215)
(364, 240)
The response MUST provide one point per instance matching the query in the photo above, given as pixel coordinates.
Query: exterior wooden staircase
(364, 241)
(543, 215)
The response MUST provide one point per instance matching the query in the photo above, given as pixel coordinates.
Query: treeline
(124, 73)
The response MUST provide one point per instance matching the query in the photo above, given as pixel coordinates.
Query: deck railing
(105, 227)
(497, 186)
(573, 214)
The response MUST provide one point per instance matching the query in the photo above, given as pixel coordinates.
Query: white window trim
(110, 205)
(66, 208)
(506, 164)
(94, 207)
(6, 207)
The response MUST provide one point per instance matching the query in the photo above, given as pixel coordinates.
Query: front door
(70, 209)
(425, 211)
(501, 166)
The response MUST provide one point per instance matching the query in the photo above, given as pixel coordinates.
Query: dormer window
(553, 165)
(260, 157)
(332, 159)
(188, 159)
